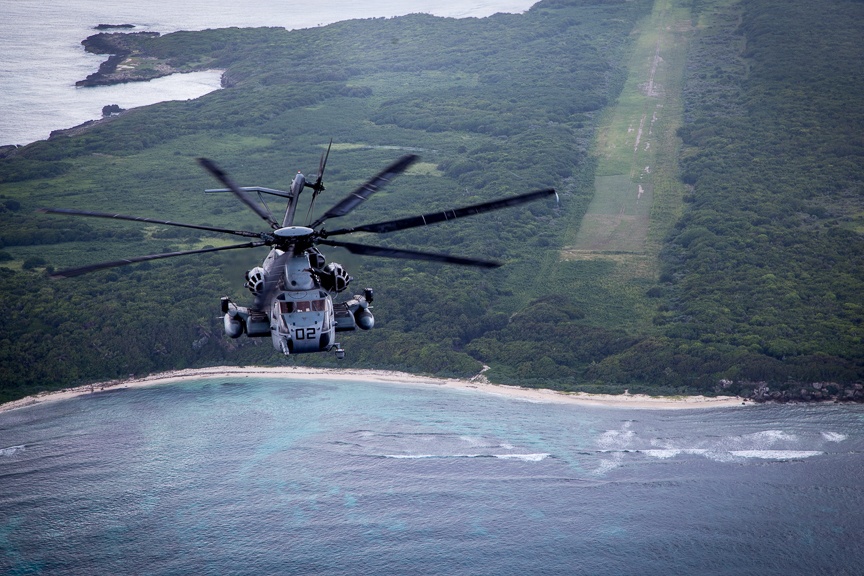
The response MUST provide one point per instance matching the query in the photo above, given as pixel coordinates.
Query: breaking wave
(522, 457)
(724, 455)
(834, 436)
(11, 450)
(776, 445)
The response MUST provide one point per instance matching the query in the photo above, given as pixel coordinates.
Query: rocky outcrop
(9, 150)
(797, 392)
(116, 42)
(117, 69)
(111, 110)
(81, 128)
(112, 26)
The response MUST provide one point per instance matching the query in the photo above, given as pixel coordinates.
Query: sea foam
(522, 457)
(834, 436)
(11, 450)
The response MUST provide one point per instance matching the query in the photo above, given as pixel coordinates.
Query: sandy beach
(478, 384)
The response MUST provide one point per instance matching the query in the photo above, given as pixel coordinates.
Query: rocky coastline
(80, 128)
(126, 61)
(818, 392)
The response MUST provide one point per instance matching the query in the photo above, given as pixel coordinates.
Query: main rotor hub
(293, 232)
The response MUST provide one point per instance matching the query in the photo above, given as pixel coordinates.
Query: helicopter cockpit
(304, 321)
(302, 306)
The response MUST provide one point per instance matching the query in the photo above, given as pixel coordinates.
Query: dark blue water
(261, 476)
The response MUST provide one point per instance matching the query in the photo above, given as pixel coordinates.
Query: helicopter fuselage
(301, 317)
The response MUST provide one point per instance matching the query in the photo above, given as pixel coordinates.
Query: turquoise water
(267, 476)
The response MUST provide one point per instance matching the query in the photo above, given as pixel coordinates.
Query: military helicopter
(294, 287)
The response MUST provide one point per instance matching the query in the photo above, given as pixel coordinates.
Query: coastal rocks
(75, 130)
(798, 391)
(200, 343)
(8, 150)
(230, 79)
(203, 339)
(115, 43)
(126, 63)
(103, 76)
(112, 26)
(111, 110)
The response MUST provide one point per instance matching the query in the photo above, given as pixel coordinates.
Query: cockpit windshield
(302, 306)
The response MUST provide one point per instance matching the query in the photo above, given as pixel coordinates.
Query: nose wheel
(340, 352)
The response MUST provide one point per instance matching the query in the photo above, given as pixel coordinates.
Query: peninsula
(129, 60)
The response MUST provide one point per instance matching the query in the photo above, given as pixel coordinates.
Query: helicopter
(294, 287)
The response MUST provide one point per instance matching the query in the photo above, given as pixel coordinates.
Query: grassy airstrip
(637, 195)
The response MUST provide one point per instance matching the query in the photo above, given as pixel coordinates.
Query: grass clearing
(638, 195)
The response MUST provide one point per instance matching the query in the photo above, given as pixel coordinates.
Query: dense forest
(767, 265)
(760, 283)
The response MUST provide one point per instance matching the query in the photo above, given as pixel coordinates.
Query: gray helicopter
(294, 287)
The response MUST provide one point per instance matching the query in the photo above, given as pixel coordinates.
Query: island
(709, 238)
(112, 26)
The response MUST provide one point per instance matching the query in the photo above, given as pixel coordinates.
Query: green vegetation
(495, 106)
(766, 265)
(747, 269)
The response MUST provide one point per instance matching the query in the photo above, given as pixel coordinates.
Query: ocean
(298, 476)
(274, 476)
(42, 56)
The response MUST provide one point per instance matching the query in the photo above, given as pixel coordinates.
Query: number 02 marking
(304, 334)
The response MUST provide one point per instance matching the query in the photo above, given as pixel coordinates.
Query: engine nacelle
(233, 325)
(316, 258)
(255, 280)
(354, 313)
(238, 320)
(364, 319)
(334, 278)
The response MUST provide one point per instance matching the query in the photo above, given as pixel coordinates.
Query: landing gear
(340, 352)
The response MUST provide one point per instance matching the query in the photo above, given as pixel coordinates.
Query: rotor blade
(271, 281)
(367, 250)
(321, 166)
(70, 272)
(359, 195)
(68, 212)
(435, 217)
(318, 186)
(220, 175)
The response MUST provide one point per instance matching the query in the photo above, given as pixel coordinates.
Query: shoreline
(478, 384)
